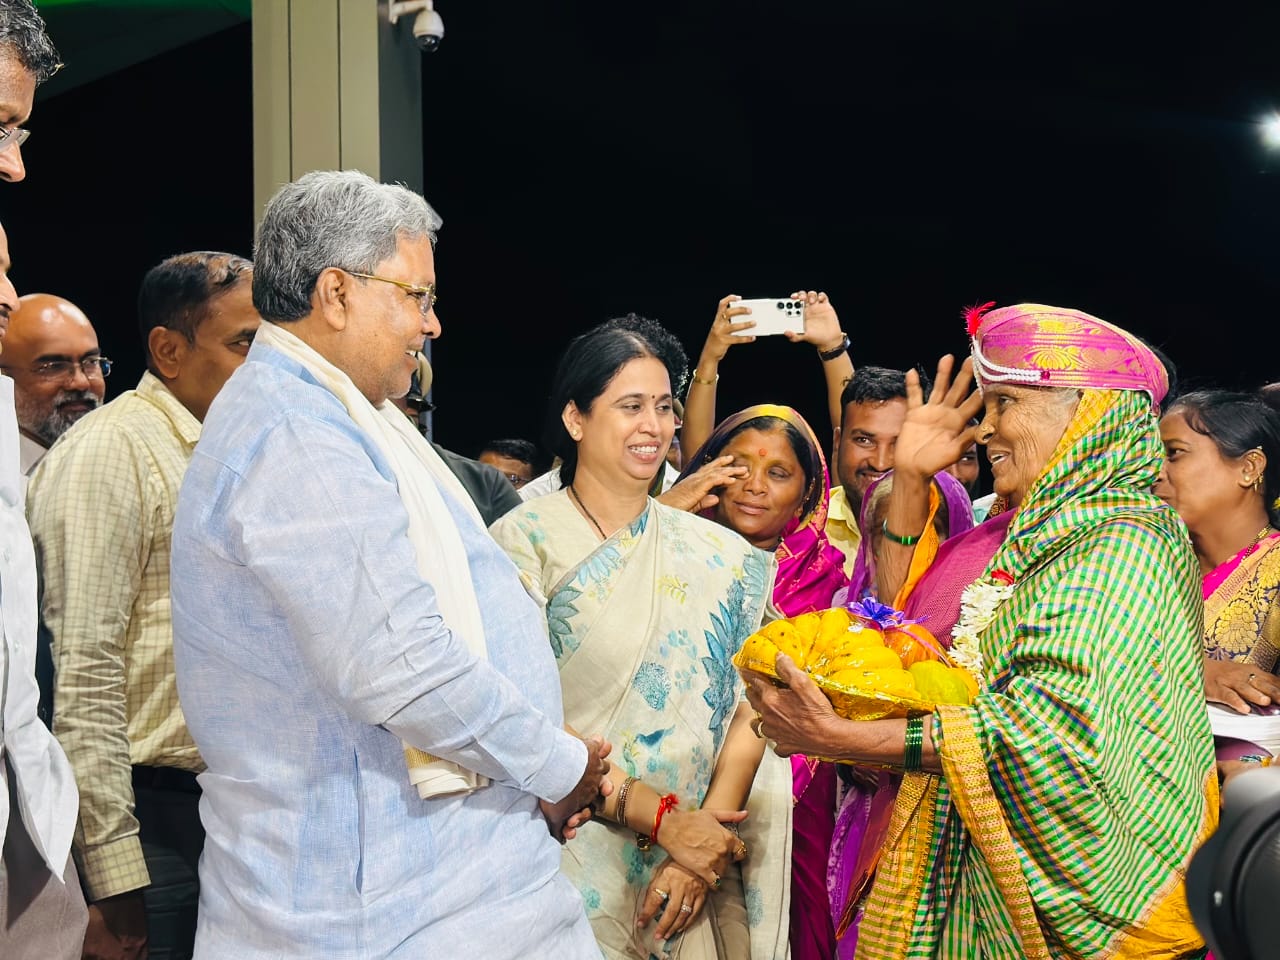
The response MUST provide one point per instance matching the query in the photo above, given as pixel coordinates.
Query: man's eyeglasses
(94, 368)
(426, 296)
(12, 137)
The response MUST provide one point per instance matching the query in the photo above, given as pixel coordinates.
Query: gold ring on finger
(1251, 677)
(661, 893)
(715, 883)
(757, 725)
(740, 851)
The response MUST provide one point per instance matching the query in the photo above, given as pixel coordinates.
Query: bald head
(45, 352)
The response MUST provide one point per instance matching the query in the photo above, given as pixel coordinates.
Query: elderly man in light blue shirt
(322, 634)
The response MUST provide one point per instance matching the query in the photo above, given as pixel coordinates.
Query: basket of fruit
(869, 660)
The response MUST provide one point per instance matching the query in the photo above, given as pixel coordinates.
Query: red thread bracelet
(669, 802)
(665, 804)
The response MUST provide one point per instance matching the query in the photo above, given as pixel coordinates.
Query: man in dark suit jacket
(488, 486)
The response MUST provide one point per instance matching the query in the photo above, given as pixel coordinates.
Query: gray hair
(330, 218)
(22, 35)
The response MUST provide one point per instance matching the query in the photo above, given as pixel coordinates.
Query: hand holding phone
(772, 316)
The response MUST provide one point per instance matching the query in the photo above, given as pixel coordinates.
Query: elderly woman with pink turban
(1055, 815)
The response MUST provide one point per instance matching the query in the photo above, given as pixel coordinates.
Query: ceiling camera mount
(428, 27)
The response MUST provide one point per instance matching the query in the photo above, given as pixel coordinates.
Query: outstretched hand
(937, 431)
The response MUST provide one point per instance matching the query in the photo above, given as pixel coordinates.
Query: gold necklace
(1248, 551)
(594, 522)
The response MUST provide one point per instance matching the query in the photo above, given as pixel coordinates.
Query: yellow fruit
(862, 633)
(783, 635)
(893, 681)
(970, 682)
(831, 633)
(807, 626)
(897, 682)
(912, 643)
(759, 648)
(861, 658)
(939, 683)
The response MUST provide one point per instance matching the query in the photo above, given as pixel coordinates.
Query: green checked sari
(1081, 780)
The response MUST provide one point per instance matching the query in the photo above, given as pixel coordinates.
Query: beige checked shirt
(101, 507)
(842, 528)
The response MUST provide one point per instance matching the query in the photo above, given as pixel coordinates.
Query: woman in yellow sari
(646, 605)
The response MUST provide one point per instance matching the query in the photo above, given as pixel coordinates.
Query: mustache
(77, 396)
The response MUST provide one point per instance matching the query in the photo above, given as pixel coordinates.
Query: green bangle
(914, 748)
(896, 538)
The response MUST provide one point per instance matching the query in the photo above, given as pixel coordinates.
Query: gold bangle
(706, 383)
(620, 811)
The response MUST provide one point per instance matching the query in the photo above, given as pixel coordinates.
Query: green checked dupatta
(1080, 781)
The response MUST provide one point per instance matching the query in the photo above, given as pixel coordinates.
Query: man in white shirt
(364, 671)
(42, 912)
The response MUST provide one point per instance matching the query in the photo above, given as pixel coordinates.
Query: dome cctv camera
(428, 30)
(428, 26)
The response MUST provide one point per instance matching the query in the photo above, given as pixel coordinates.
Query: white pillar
(335, 87)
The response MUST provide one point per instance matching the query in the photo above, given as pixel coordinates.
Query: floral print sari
(643, 627)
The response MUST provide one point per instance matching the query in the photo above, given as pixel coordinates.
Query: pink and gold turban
(1033, 345)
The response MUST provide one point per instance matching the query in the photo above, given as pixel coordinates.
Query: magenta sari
(865, 798)
(810, 571)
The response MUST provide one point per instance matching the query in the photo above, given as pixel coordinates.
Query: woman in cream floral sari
(646, 605)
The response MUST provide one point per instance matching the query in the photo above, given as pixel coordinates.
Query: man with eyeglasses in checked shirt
(58, 372)
(101, 506)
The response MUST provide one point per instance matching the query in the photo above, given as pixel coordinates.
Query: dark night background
(594, 158)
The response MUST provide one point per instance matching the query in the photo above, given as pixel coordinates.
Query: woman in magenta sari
(781, 505)
(953, 517)
(864, 798)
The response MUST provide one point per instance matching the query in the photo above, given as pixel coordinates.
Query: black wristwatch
(825, 355)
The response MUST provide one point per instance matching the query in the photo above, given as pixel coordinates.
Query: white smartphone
(770, 316)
